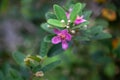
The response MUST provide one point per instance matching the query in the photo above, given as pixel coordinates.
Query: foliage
(85, 49)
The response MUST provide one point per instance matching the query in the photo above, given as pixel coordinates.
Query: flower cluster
(79, 19)
(63, 36)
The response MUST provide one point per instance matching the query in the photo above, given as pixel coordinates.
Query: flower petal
(56, 40)
(65, 31)
(78, 21)
(68, 36)
(64, 44)
(68, 15)
(57, 31)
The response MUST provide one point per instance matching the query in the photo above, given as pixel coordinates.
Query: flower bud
(69, 21)
(67, 26)
(62, 21)
(38, 56)
(49, 26)
(28, 61)
(73, 31)
(39, 74)
(32, 60)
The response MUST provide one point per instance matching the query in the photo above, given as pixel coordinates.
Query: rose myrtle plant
(66, 27)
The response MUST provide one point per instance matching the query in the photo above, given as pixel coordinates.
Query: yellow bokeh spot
(109, 14)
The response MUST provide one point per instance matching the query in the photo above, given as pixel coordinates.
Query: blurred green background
(20, 30)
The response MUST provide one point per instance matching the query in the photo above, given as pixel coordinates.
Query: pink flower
(62, 37)
(79, 19)
(68, 15)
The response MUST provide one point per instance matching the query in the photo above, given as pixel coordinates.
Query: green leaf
(60, 13)
(83, 5)
(19, 58)
(96, 29)
(81, 26)
(97, 33)
(83, 38)
(50, 15)
(46, 28)
(56, 23)
(44, 48)
(84, 35)
(36, 68)
(48, 38)
(35, 58)
(76, 9)
(87, 14)
(55, 50)
(50, 66)
(14, 74)
(102, 35)
(102, 22)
